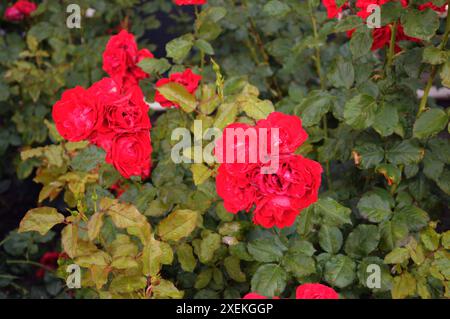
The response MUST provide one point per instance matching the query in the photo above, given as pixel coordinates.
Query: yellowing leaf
(404, 286)
(94, 225)
(178, 94)
(41, 220)
(177, 225)
(166, 289)
(200, 173)
(69, 240)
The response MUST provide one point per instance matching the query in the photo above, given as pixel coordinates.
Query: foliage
(385, 152)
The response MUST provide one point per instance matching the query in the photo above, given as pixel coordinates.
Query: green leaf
(40, 219)
(374, 207)
(208, 247)
(200, 173)
(267, 249)
(361, 42)
(330, 239)
(314, 107)
(179, 224)
(333, 213)
(178, 94)
(430, 239)
(397, 256)
(434, 56)
(359, 112)
(179, 48)
(94, 225)
(226, 114)
(340, 271)
(412, 216)
(392, 234)
(348, 23)
(430, 123)
(445, 74)
(258, 110)
(204, 46)
(420, 24)
(405, 152)
(341, 73)
(391, 173)
(370, 155)
(298, 264)
(276, 8)
(203, 278)
(269, 280)
(233, 268)
(186, 257)
(166, 289)
(362, 241)
(128, 283)
(386, 120)
(154, 66)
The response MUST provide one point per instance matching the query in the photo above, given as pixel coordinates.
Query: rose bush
(363, 175)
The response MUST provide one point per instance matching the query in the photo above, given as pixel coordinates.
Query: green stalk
(434, 69)
(391, 52)
(318, 65)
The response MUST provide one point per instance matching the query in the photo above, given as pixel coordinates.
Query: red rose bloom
(291, 132)
(120, 59)
(238, 147)
(26, 7)
(237, 192)
(279, 211)
(189, 2)
(49, 260)
(131, 154)
(332, 8)
(77, 114)
(315, 291)
(13, 14)
(434, 7)
(188, 79)
(20, 10)
(297, 177)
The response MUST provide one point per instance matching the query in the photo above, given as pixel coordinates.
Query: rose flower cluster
(279, 196)
(112, 113)
(382, 35)
(305, 291)
(19, 10)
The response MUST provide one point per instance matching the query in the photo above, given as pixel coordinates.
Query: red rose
(297, 177)
(332, 8)
(131, 154)
(291, 132)
(237, 192)
(189, 2)
(50, 261)
(434, 7)
(128, 113)
(315, 291)
(13, 14)
(242, 147)
(26, 7)
(188, 79)
(279, 211)
(77, 114)
(120, 59)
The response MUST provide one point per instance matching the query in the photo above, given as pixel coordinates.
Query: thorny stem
(434, 69)
(391, 52)
(322, 80)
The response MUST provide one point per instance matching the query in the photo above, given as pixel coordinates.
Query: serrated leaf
(179, 224)
(178, 94)
(40, 219)
(269, 280)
